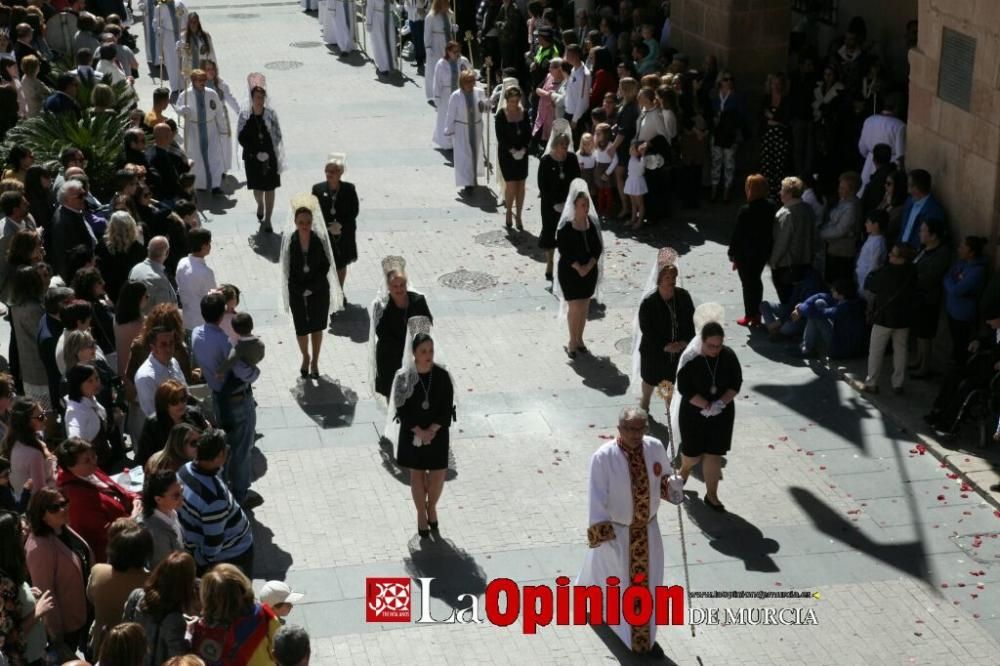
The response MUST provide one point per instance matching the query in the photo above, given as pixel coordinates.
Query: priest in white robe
(627, 481)
(225, 94)
(884, 127)
(439, 29)
(169, 21)
(341, 25)
(204, 132)
(149, 30)
(464, 124)
(381, 25)
(445, 75)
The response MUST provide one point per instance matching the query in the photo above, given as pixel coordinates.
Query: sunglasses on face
(40, 416)
(57, 507)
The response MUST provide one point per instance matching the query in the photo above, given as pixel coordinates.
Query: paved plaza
(826, 494)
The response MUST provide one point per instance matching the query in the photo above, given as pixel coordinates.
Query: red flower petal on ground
(940, 497)
(770, 446)
(810, 453)
(783, 438)
(922, 449)
(952, 475)
(822, 466)
(965, 488)
(945, 585)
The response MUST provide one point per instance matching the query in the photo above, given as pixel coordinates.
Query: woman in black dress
(579, 243)
(513, 137)
(425, 407)
(338, 201)
(259, 134)
(750, 245)
(307, 262)
(625, 130)
(666, 325)
(556, 170)
(708, 381)
(390, 315)
(776, 133)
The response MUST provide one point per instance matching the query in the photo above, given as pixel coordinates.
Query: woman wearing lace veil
(662, 328)
(513, 136)
(309, 279)
(392, 308)
(423, 402)
(557, 168)
(259, 134)
(578, 254)
(708, 380)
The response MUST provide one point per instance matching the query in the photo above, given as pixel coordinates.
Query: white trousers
(876, 353)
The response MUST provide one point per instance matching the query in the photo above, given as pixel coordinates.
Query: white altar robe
(167, 38)
(208, 155)
(226, 136)
(878, 129)
(381, 26)
(436, 39)
(467, 146)
(443, 88)
(612, 502)
(340, 26)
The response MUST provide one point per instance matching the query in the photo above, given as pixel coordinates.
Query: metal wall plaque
(958, 57)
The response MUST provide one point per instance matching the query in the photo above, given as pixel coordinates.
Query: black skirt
(700, 435)
(575, 287)
(440, 409)
(262, 176)
(309, 314)
(658, 366)
(513, 170)
(550, 220)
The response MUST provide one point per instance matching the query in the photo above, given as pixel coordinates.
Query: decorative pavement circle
(305, 45)
(500, 238)
(283, 65)
(468, 280)
(624, 345)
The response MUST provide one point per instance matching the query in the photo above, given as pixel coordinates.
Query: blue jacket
(963, 284)
(932, 210)
(848, 319)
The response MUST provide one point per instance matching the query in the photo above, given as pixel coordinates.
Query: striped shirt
(214, 526)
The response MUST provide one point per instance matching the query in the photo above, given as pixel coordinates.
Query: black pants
(753, 289)
(961, 334)
(784, 280)
(658, 196)
(838, 267)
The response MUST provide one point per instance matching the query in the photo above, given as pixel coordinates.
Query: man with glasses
(69, 228)
(628, 477)
(205, 127)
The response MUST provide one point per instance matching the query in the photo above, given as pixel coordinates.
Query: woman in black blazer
(750, 246)
(338, 200)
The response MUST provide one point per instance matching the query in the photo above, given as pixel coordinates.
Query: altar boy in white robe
(341, 25)
(205, 127)
(381, 25)
(464, 124)
(627, 480)
(439, 30)
(169, 20)
(445, 77)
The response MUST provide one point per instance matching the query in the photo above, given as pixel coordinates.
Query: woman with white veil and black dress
(338, 200)
(579, 248)
(556, 170)
(310, 286)
(259, 134)
(663, 327)
(391, 310)
(423, 402)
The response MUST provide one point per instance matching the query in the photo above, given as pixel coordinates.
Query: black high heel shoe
(304, 372)
(424, 534)
(433, 524)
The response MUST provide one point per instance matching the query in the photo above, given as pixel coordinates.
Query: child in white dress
(585, 156)
(635, 185)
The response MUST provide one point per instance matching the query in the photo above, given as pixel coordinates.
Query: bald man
(152, 273)
(165, 164)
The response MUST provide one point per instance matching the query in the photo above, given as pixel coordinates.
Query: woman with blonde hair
(232, 622)
(180, 449)
(628, 125)
(750, 245)
(160, 605)
(120, 249)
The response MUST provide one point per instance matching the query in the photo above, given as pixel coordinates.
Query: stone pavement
(826, 493)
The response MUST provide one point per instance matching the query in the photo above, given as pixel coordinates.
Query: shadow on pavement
(598, 372)
(217, 204)
(266, 245)
(455, 572)
(622, 653)
(526, 244)
(270, 562)
(481, 197)
(734, 536)
(354, 58)
(909, 558)
(258, 464)
(597, 310)
(352, 323)
(326, 402)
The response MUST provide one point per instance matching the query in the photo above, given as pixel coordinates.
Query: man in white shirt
(152, 274)
(887, 128)
(577, 90)
(156, 369)
(194, 277)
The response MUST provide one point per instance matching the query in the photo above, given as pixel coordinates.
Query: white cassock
(194, 58)
(168, 22)
(878, 129)
(152, 44)
(445, 78)
(204, 123)
(381, 26)
(341, 25)
(616, 500)
(221, 88)
(464, 124)
(439, 29)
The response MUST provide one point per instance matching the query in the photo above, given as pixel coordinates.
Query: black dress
(437, 392)
(553, 187)
(713, 434)
(661, 323)
(578, 247)
(261, 176)
(776, 144)
(391, 337)
(513, 136)
(342, 207)
(308, 271)
(116, 266)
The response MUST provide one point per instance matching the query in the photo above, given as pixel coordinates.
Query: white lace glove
(518, 154)
(263, 157)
